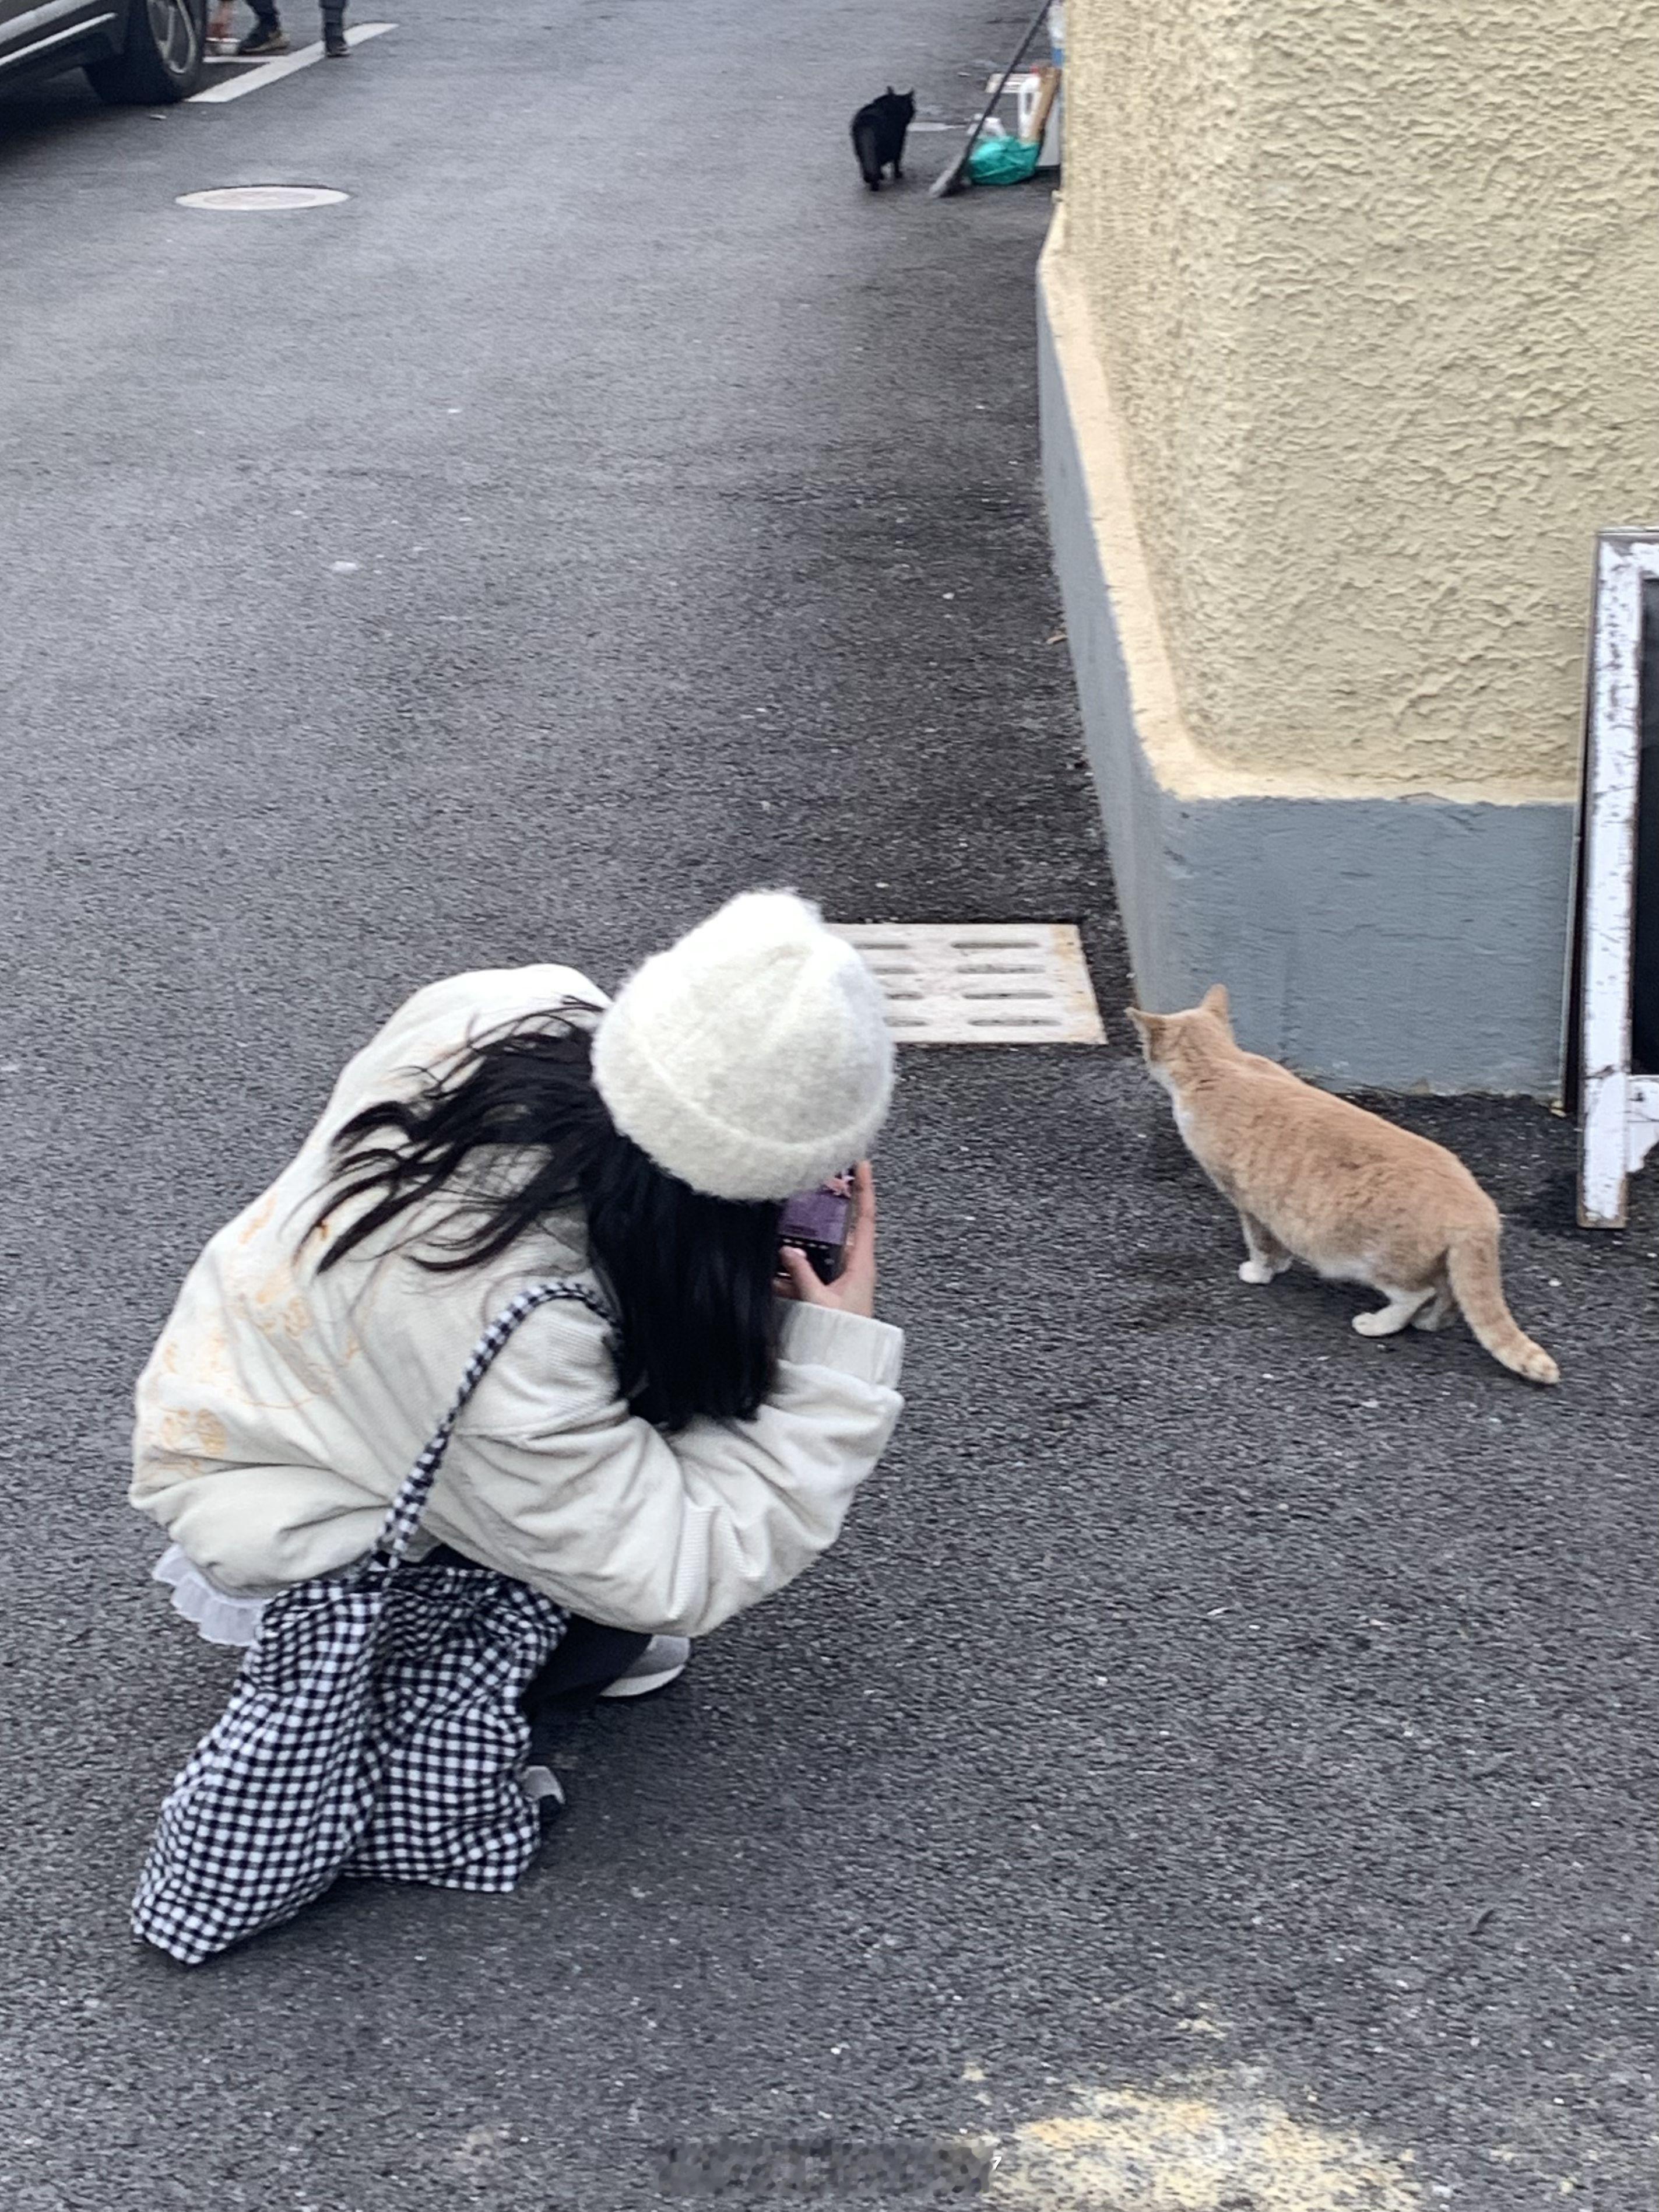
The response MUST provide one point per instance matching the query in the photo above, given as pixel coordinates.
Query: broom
(954, 178)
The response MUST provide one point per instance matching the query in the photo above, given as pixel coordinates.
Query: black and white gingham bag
(374, 1730)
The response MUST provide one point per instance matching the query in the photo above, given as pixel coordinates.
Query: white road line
(284, 65)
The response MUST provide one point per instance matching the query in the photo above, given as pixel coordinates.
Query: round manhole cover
(253, 199)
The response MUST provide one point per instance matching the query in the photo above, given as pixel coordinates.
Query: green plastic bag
(1002, 161)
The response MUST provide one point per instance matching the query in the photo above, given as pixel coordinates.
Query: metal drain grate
(981, 982)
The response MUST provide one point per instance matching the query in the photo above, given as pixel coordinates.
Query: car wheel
(162, 59)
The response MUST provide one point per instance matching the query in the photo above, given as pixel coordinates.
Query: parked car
(146, 52)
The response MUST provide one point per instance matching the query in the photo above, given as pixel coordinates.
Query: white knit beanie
(752, 1058)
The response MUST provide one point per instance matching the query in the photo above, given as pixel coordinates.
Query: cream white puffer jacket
(282, 1409)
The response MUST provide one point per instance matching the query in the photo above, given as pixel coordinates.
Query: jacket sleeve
(552, 1479)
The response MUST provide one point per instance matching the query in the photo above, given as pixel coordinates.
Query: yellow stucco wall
(1375, 288)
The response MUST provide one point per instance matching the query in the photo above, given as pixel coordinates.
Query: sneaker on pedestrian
(662, 1662)
(335, 45)
(267, 37)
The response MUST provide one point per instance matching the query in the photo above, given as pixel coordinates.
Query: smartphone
(818, 1222)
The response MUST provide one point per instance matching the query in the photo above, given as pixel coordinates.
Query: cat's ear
(891, 94)
(1147, 1026)
(1215, 1001)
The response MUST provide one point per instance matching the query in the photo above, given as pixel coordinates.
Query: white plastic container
(1023, 90)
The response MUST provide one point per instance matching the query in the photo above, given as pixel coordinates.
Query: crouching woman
(654, 1466)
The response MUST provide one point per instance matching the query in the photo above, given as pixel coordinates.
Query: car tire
(163, 59)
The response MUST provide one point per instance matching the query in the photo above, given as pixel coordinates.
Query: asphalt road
(1211, 1721)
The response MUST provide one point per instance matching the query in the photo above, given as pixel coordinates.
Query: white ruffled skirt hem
(220, 1616)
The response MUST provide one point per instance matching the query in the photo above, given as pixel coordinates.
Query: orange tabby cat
(1317, 1179)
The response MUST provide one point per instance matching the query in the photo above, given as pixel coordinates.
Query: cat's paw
(1382, 1322)
(1255, 1271)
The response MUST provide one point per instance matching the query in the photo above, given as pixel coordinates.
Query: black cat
(879, 132)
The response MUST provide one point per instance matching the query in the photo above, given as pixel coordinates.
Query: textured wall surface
(1370, 941)
(1377, 290)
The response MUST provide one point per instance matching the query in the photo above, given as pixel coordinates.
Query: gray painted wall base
(1394, 944)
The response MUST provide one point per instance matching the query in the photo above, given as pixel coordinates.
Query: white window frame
(1619, 1110)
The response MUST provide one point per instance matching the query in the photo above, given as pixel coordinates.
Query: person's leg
(267, 36)
(589, 1657)
(334, 38)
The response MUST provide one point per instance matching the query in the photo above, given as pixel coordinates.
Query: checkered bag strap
(409, 1503)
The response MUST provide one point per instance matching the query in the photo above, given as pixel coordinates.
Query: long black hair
(689, 1277)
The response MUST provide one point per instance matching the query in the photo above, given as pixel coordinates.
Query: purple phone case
(820, 1216)
(818, 1221)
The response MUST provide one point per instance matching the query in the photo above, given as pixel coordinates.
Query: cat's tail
(1478, 1286)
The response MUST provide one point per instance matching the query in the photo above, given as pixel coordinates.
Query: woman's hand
(854, 1290)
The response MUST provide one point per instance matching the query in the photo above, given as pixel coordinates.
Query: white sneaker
(662, 1662)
